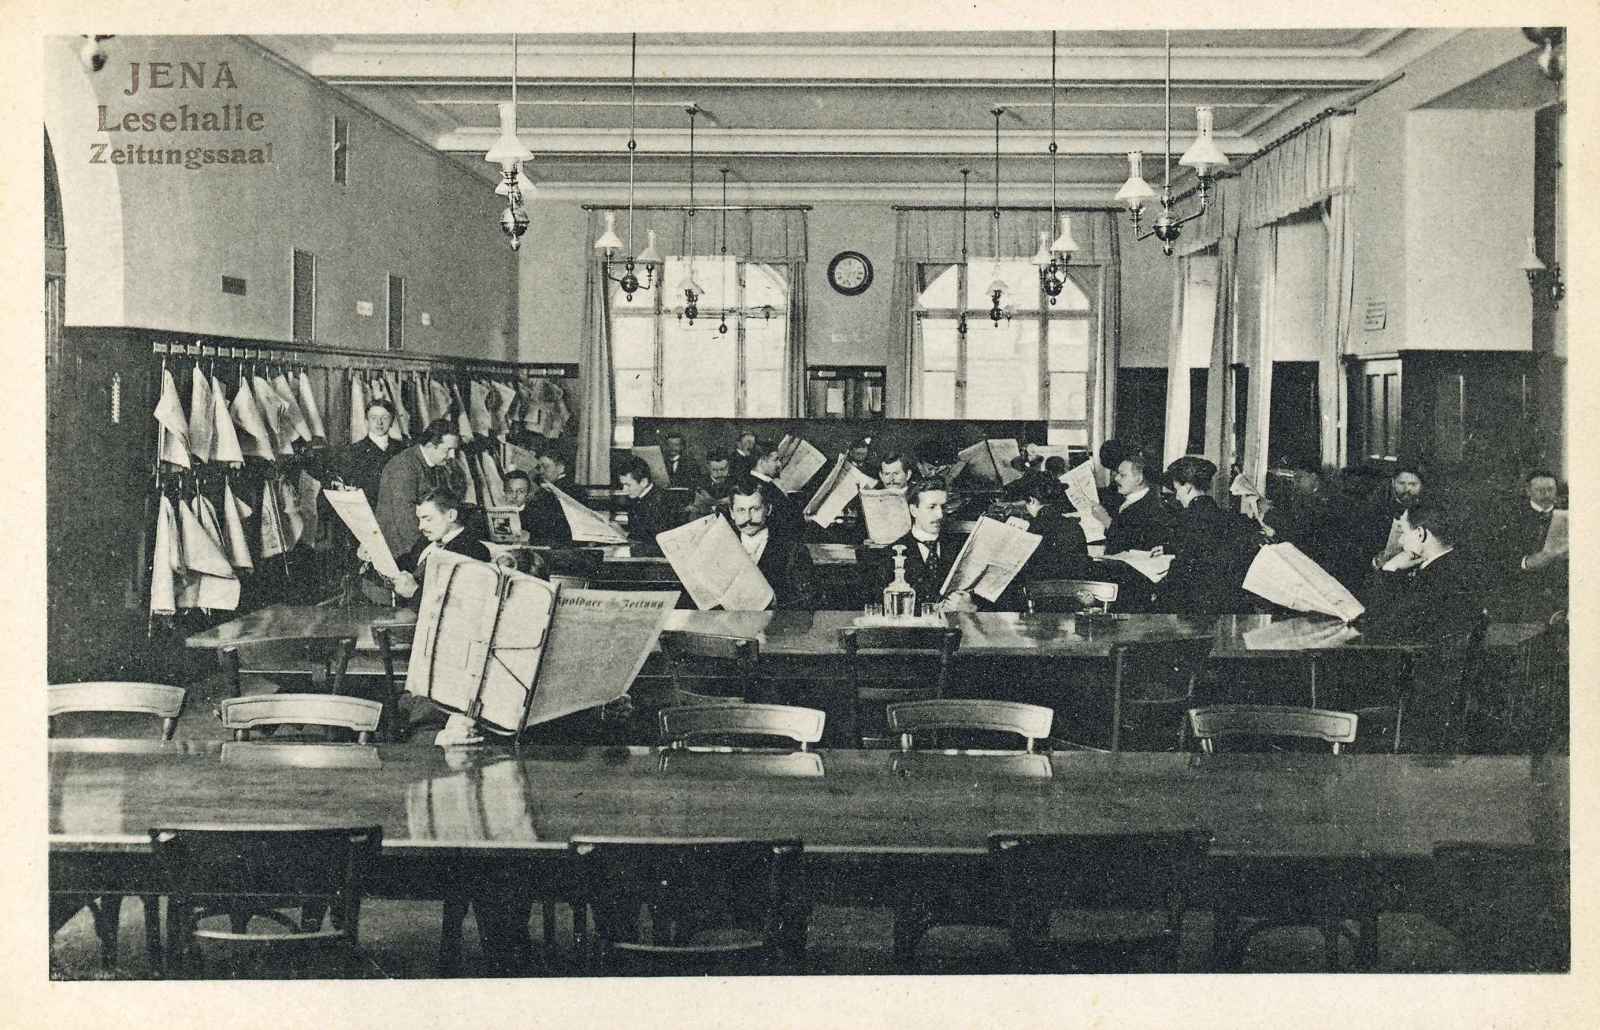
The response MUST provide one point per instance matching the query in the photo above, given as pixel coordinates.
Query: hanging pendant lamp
(1054, 257)
(687, 286)
(509, 152)
(609, 242)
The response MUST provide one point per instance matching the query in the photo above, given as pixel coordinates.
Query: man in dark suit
(1437, 594)
(1140, 522)
(782, 558)
(409, 477)
(543, 522)
(360, 466)
(744, 455)
(1533, 583)
(1212, 549)
(928, 555)
(647, 514)
(785, 513)
(681, 471)
(441, 529)
(1063, 552)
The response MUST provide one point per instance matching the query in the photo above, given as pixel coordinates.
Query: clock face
(850, 273)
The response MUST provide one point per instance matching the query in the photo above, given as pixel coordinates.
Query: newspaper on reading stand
(658, 465)
(1004, 452)
(1084, 494)
(588, 526)
(714, 566)
(887, 514)
(801, 461)
(842, 484)
(353, 510)
(990, 559)
(1282, 574)
(977, 459)
(599, 640)
(1555, 538)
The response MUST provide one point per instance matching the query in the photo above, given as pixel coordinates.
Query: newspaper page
(1085, 495)
(977, 459)
(658, 465)
(1152, 566)
(713, 566)
(520, 458)
(836, 492)
(353, 510)
(887, 514)
(1004, 452)
(588, 526)
(1282, 574)
(990, 559)
(800, 463)
(599, 640)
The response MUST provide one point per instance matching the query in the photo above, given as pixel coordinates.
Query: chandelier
(1203, 156)
(509, 153)
(1053, 258)
(687, 286)
(609, 243)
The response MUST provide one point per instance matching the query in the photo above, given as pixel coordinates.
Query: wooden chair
(1038, 874)
(694, 905)
(157, 699)
(681, 727)
(693, 659)
(242, 715)
(910, 719)
(1070, 595)
(1330, 895)
(250, 874)
(1509, 906)
(394, 642)
(315, 663)
(1152, 687)
(889, 664)
(165, 703)
(1222, 721)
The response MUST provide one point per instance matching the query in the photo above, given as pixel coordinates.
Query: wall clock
(850, 273)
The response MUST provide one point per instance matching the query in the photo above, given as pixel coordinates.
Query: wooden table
(867, 818)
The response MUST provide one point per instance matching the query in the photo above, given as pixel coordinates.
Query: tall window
(666, 367)
(1039, 364)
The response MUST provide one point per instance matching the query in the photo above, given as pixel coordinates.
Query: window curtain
(933, 236)
(1255, 350)
(794, 344)
(1338, 318)
(1220, 444)
(1177, 434)
(594, 371)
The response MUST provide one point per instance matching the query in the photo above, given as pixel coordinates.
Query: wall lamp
(1542, 277)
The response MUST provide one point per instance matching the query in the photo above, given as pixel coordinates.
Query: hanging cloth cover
(440, 399)
(517, 413)
(469, 490)
(274, 540)
(358, 407)
(379, 388)
(402, 420)
(202, 435)
(548, 414)
(478, 407)
(308, 405)
(211, 582)
(309, 489)
(424, 413)
(294, 524)
(174, 447)
(508, 402)
(234, 512)
(463, 420)
(257, 441)
(277, 415)
(166, 563)
(494, 487)
(297, 418)
(224, 439)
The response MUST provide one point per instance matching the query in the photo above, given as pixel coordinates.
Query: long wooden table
(867, 818)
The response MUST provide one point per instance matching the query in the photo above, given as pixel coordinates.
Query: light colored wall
(849, 330)
(406, 211)
(1147, 284)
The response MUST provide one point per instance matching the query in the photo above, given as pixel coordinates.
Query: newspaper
(713, 566)
(520, 458)
(1282, 574)
(836, 492)
(1085, 497)
(1152, 566)
(588, 526)
(353, 510)
(1555, 538)
(801, 461)
(1298, 634)
(1004, 452)
(887, 514)
(990, 559)
(599, 640)
(1249, 496)
(658, 465)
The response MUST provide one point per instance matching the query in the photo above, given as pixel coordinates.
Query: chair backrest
(1265, 721)
(1158, 674)
(301, 656)
(695, 660)
(157, 699)
(1151, 870)
(910, 718)
(269, 865)
(683, 725)
(1070, 595)
(243, 714)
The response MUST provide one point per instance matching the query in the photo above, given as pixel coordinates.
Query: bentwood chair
(1152, 686)
(114, 698)
(708, 668)
(1509, 906)
(305, 663)
(1339, 897)
(1148, 873)
(890, 664)
(245, 875)
(925, 721)
(691, 905)
(244, 715)
(1070, 595)
(727, 727)
(394, 643)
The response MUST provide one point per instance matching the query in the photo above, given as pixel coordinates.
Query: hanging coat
(402, 421)
(234, 512)
(308, 406)
(439, 399)
(469, 490)
(274, 537)
(463, 420)
(225, 438)
(424, 413)
(309, 490)
(494, 488)
(211, 582)
(174, 443)
(276, 413)
(358, 407)
(202, 436)
(508, 401)
(257, 442)
(165, 563)
(297, 418)
(478, 407)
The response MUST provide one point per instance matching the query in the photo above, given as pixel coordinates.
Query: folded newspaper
(990, 559)
(801, 461)
(1282, 574)
(844, 482)
(1298, 634)
(714, 567)
(588, 526)
(1084, 494)
(887, 514)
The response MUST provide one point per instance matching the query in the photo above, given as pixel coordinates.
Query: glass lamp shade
(1064, 244)
(1135, 193)
(508, 149)
(687, 285)
(1203, 155)
(1041, 257)
(609, 240)
(649, 255)
(1530, 260)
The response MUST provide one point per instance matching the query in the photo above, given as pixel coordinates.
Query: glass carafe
(899, 598)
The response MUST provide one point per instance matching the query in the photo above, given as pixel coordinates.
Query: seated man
(544, 524)
(681, 471)
(782, 558)
(1212, 549)
(893, 473)
(1534, 583)
(647, 513)
(707, 498)
(439, 522)
(1111, 454)
(1437, 593)
(933, 459)
(1063, 553)
(860, 454)
(928, 556)
(718, 466)
(786, 514)
(1382, 527)
(1140, 522)
(743, 458)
